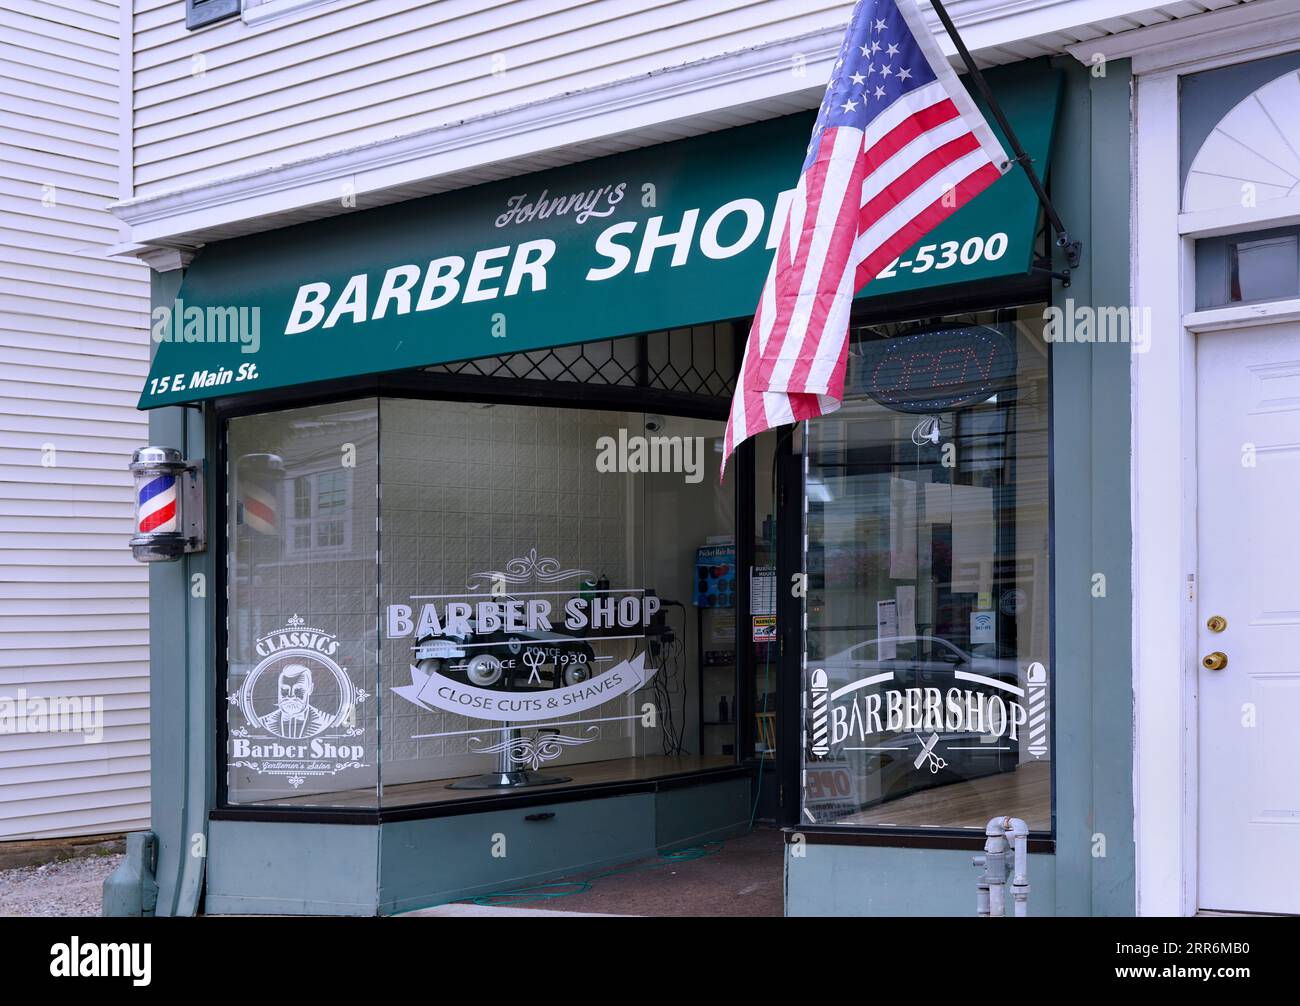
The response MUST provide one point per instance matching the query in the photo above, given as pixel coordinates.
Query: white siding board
(94, 15)
(87, 768)
(52, 491)
(74, 349)
(431, 79)
(64, 138)
(99, 102)
(54, 591)
(114, 270)
(74, 64)
(75, 363)
(121, 288)
(98, 178)
(41, 324)
(52, 113)
(74, 203)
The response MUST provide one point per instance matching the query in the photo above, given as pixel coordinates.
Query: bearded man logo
(294, 715)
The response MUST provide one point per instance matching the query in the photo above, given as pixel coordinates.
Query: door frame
(1164, 444)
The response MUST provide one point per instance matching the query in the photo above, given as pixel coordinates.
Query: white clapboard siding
(233, 98)
(74, 349)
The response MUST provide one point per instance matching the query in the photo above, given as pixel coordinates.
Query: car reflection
(893, 763)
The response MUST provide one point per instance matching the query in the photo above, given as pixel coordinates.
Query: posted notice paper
(886, 630)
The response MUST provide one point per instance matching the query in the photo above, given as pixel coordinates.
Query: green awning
(657, 238)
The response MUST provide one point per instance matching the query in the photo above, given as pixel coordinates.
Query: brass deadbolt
(1215, 661)
(1216, 623)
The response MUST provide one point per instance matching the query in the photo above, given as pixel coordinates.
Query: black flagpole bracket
(1073, 249)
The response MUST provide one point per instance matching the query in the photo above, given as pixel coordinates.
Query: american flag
(898, 146)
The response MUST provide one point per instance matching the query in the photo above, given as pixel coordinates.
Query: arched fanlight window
(1253, 154)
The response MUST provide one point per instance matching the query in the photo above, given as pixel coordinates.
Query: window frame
(201, 13)
(421, 385)
(1031, 291)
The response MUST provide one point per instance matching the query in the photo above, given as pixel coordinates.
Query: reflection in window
(319, 502)
(1265, 270)
(928, 632)
(1248, 268)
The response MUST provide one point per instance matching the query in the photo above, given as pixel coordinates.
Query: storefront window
(928, 663)
(434, 600)
(302, 715)
(538, 581)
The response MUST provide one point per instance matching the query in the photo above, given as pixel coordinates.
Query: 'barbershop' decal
(876, 714)
(299, 708)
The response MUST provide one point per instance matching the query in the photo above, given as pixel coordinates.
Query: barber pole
(1036, 679)
(817, 687)
(260, 510)
(156, 506)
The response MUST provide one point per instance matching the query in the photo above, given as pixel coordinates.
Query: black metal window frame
(948, 301)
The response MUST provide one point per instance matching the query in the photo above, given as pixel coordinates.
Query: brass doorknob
(1215, 661)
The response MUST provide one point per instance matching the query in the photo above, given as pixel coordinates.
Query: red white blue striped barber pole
(260, 510)
(898, 147)
(156, 506)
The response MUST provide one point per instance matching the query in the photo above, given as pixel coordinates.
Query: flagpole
(1071, 247)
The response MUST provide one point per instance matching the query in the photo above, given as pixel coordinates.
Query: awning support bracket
(1073, 249)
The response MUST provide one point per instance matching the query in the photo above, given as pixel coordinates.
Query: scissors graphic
(927, 751)
(534, 658)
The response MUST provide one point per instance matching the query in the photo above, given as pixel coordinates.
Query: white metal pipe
(991, 888)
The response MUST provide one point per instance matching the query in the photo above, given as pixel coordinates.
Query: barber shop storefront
(460, 603)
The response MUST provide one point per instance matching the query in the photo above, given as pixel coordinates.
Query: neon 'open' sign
(936, 370)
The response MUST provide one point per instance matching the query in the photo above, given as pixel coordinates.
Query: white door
(1248, 547)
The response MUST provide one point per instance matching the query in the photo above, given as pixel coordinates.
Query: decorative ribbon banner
(437, 691)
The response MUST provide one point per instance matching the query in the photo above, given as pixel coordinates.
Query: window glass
(1248, 268)
(506, 595)
(302, 612)
(1265, 269)
(537, 574)
(928, 637)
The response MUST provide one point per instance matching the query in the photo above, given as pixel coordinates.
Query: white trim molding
(1163, 452)
(1250, 30)
(1234, 219)
(1164, 476)
(1242, 316)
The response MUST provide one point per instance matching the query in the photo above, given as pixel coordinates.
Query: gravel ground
(68, 888)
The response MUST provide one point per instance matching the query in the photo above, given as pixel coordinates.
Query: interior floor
(1025, 793)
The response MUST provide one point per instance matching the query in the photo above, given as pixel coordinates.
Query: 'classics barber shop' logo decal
(299, 708)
